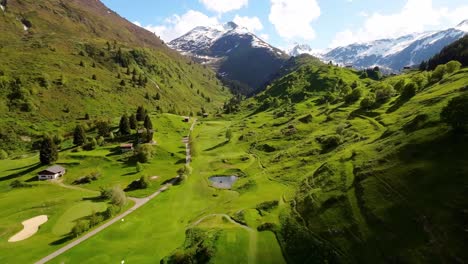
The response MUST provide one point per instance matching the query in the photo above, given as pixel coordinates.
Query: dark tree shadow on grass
(27, 171)
(181, 161)
(217, 146)
(62, 240)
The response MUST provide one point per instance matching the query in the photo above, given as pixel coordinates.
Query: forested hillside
(63, 60)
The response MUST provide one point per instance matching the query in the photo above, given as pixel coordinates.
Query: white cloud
(416, 16)
(223, 6)
(176, 25)
(265, 37)
(251, 23)
(363, 14)
(293, 18)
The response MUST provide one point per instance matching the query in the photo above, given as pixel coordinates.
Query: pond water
(223, 182)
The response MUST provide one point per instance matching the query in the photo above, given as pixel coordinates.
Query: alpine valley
(118, 148)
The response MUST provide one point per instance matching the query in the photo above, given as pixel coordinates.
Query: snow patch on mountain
(408, 50)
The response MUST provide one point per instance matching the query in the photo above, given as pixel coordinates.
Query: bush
(384, 93)
(139, 167)
(439, 73)
(3, 154)
(453, 66)
(409, 91)
(456, 112)
(142, 183)
(80, 227)
(110, 211)
(331, 142)
(144, 153)
(368, 102)
(354, 96)
(118, 197)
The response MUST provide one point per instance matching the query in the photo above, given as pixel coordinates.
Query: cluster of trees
(117, 199)
(89, 143)
(455, 51)
(233, 105)
(128, 123)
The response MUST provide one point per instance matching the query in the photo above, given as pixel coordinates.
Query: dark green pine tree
(148, 124)
(141, 113)
(133, 121)
(48, 153)
(124, 126)
(79, 136)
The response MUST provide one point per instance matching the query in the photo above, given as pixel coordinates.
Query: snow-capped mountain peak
(396, 53)
(463, 26)
(234, 52)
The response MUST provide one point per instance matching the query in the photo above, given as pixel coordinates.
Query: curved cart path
(139, 202)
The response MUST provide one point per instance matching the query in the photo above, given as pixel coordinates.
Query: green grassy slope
(390, 190)
(46, 75)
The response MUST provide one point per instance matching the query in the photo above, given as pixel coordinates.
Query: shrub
(80, 227)
(453, 66)
(409, 91)
(400, 85)
(456, 112)
(144, 153)
(354, 96)
(331, 142)
(3, 154)
(439, 73)
(384, 93)
(118, 197)
(139, 167)
(368, 102)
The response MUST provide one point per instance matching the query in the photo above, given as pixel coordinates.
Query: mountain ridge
(234, 52)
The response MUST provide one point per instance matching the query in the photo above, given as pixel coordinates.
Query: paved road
(139, 202)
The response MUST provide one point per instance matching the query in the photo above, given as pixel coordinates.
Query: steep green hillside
(378, 176)
(62, 60)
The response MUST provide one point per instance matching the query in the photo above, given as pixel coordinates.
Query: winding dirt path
(139, 202)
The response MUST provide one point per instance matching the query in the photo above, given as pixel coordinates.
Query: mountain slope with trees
(63, 61)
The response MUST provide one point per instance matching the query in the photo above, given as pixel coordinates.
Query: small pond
(223, 182)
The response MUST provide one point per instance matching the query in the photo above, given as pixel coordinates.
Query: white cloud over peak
(223, 6)
(293, 18)
(177, 25)
(251, 23)
(415, 16)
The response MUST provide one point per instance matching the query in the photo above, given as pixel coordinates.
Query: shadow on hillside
(181, 161)
(217, 146)
(28, 170)
(130, 174)
(396, 105)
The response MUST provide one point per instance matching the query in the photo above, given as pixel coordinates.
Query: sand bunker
(30, 228)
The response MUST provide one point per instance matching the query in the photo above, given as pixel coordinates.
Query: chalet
(126, 148)
(407, 68)
(205, 115)
(186, 119)
(349, 66)
(51, 173)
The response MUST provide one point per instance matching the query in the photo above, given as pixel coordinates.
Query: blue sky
(320, 23)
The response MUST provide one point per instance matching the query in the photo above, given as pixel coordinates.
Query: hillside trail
(253, 239)
(139, 202)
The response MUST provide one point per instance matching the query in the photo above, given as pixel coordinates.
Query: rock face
(234, 52)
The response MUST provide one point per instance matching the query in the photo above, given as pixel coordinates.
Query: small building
(205, 115)
(407, 68)
(126, 147)
(51, 173)
(349, 66)
(186, 119)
